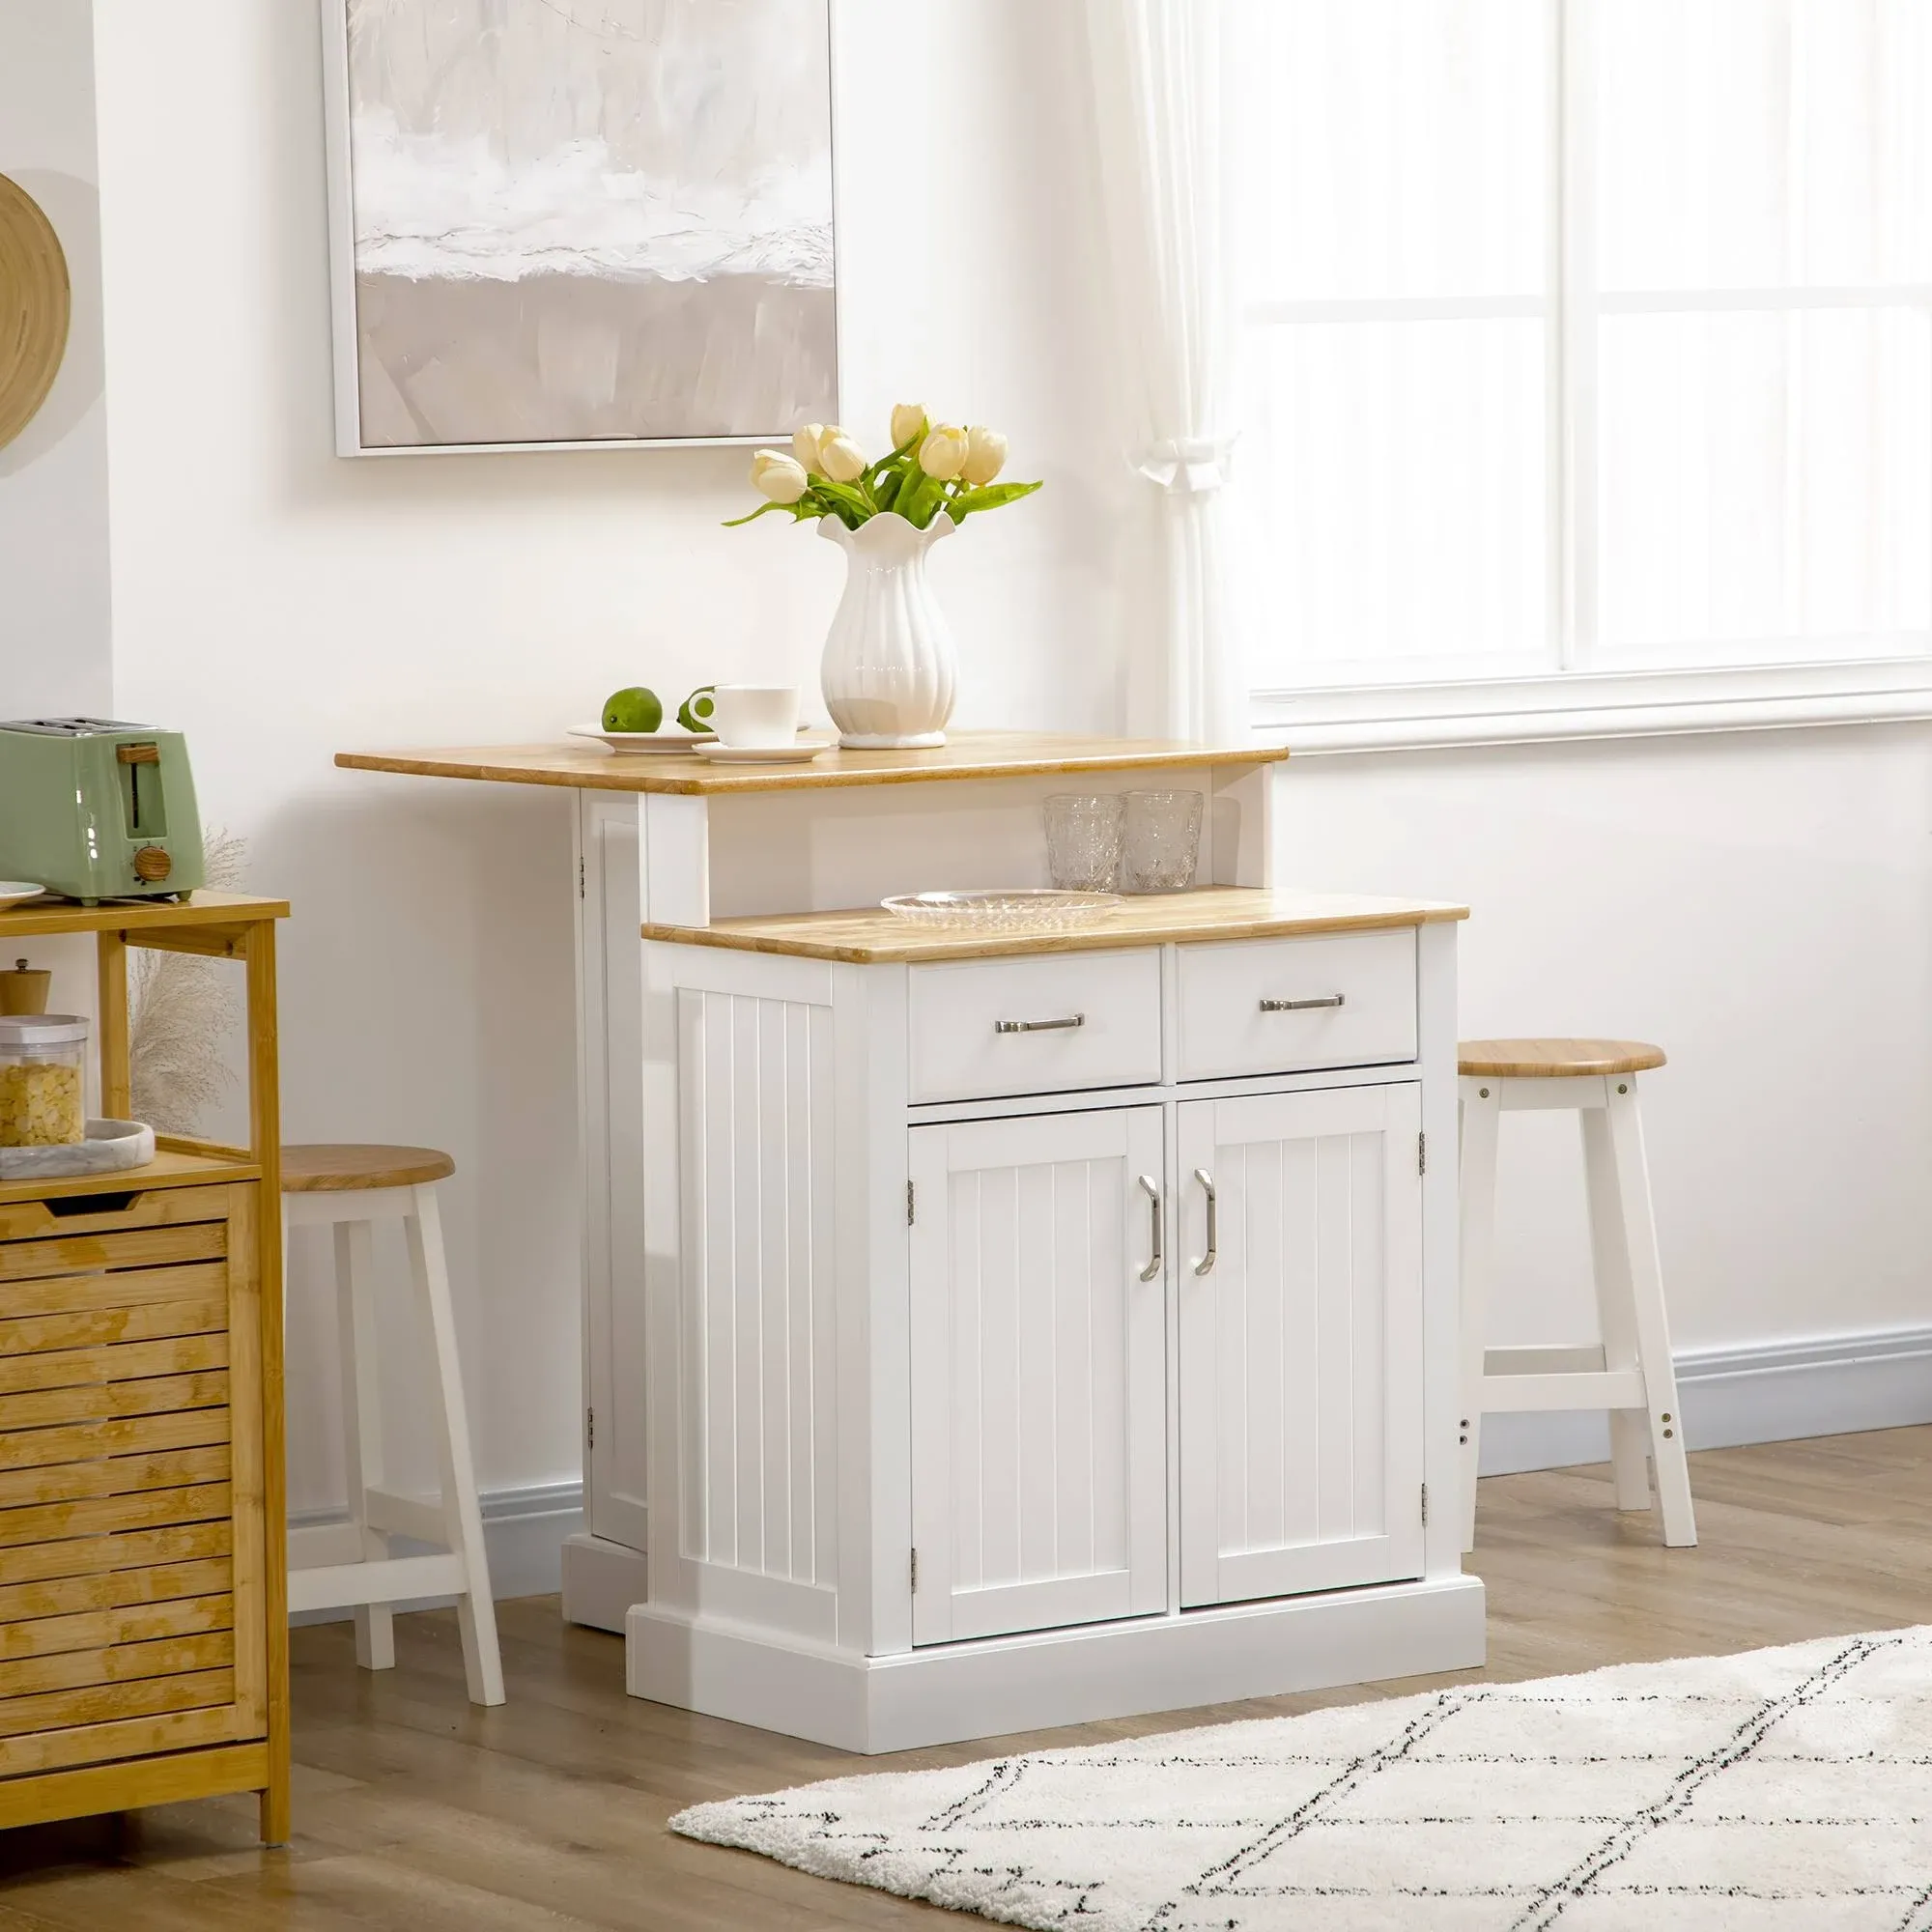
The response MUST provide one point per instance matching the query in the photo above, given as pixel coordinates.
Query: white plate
(643, 741)
(760, 754)
(16, 892)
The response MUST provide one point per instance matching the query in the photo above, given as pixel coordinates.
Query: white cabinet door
(1038, 1373)
(1301, 1345)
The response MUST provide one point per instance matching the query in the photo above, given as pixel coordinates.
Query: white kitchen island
(992, 1331)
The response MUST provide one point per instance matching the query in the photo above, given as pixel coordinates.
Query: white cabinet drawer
(985, 1027)
(1241, 1007)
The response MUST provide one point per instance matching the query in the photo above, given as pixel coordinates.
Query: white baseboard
(523, 1531)
(1773, 1393)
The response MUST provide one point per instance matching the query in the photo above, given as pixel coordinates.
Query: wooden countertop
(866, 936)
(39, 918)
(966, 755)
(171, 1167)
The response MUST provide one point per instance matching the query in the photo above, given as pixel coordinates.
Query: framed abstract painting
(580, 224)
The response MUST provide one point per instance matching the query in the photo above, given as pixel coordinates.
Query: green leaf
(988, 497)
(763, 511)
(851, 506)
(897, 457)
(886, 489)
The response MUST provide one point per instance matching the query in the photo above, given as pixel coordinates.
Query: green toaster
(95, 809)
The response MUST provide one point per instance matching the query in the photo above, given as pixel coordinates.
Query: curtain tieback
(1187, 466)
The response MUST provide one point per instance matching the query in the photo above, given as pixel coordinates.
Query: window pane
(1399, 149)
(1766, 481)
(1763, 143)
(1394, 478)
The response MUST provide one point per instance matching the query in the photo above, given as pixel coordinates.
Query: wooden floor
(413, 1810)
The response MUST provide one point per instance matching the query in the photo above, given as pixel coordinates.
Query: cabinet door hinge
(590, 1429)
(1424, 1505)
(580, 879)
(909, 1208)
(912, 1571)
(1422, 1154)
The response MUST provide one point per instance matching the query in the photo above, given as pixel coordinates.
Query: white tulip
(985, 455)
(776, 475)
(908, 420)
(943, 453)
(805, 444)
(839, 457)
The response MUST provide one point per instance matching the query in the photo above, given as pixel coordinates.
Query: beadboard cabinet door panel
(1301, 1439)
(1038, 1373)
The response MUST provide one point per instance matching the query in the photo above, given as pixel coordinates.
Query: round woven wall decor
(34, 308)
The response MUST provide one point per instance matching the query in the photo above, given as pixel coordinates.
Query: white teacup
(753, 716)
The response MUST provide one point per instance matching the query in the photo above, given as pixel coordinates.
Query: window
(1585, 336)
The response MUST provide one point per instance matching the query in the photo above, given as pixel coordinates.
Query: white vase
(888, 671)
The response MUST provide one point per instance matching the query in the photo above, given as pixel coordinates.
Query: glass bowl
(1004, 911)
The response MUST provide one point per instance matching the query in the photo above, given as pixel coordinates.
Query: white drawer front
(1241, 1013)
(984, 1027)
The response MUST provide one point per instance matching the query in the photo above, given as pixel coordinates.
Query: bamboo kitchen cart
(143, 1622)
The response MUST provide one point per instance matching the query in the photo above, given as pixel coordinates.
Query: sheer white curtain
(1162, 98)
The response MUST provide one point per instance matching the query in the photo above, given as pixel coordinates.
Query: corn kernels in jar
(40, 1104)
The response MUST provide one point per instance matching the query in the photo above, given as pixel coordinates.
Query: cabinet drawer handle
(1152, 1267)
(1205, 1265)
(1040, 1025)
(1303, 1006)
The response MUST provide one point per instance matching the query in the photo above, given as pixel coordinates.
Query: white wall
(1757, 904)
(281, 604)
(53, 475)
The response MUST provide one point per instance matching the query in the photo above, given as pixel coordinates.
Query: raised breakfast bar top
(868, 936)
(966, 755)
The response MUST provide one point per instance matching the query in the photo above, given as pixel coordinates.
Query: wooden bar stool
(336, 1566)
(1630, 1371)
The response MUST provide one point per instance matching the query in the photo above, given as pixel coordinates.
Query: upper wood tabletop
(966, 755)
(37, 918)
(869, 935)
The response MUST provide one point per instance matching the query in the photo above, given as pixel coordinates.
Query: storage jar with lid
(43, 1071)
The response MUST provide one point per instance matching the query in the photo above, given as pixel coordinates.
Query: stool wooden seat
(1628, 1372)
(1555, 1059)
(323, 1167)
(349, 1566)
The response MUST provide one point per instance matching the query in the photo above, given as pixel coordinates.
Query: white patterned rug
(1781, 1791)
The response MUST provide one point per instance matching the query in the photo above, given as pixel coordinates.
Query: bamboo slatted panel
(143, 1627)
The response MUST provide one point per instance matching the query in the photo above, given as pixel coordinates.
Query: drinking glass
(1161, 843)
(1083, 841)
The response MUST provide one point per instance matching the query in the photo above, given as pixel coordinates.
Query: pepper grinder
(24, 991)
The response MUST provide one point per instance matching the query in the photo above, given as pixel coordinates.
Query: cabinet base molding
(950, 1692)
(601, 1581)
(133, 1782)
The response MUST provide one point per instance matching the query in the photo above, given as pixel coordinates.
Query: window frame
(1577, 694)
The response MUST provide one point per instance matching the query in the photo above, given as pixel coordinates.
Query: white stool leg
(1481, 1114)
(1616, 1312)
(463, 1519)
(1653, 1329)
(363, 1425)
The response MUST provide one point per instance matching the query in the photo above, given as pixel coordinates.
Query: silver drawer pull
(1040, 1025)
(1303, 1005)
(1205, 1265)
(1153, 1192)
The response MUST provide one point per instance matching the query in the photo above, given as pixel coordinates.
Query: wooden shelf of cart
(143, 1627)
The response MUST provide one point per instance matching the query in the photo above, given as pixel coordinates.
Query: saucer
(760, 754)
(17, 892)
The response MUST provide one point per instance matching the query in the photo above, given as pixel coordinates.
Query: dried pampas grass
(180, 1010)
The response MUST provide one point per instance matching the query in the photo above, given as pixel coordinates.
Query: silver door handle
(1205, 1265)
(1152, 1267)
(1040, 1025)
(1303, 1005)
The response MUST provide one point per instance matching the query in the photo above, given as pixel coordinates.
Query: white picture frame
(344, 317)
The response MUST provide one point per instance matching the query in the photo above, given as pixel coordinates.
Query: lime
(634, 709)
(695, 712)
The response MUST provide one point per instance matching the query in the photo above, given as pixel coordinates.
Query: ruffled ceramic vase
(888, 672)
